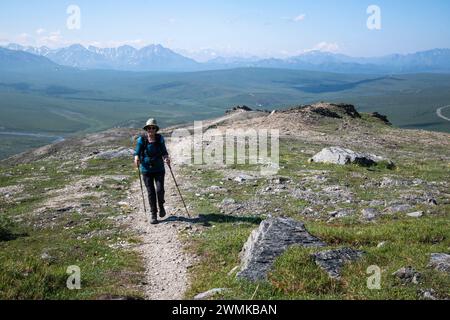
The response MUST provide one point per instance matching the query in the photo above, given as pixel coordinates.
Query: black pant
(150, 179)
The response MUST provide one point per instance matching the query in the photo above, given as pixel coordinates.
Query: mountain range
(159, 58)
(126, 58)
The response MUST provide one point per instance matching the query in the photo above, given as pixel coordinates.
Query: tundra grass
(389, 243)
(36, 250)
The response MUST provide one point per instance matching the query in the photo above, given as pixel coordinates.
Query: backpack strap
(158, 142)
(144, 145)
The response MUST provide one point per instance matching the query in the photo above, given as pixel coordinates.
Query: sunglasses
(151, 128)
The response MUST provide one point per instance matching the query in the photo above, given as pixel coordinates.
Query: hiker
(150, 155)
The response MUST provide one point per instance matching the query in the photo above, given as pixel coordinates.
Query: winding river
(30, 134)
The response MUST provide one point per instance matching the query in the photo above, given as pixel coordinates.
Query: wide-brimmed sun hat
(151, 123)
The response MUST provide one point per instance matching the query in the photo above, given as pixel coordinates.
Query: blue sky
(245, 27)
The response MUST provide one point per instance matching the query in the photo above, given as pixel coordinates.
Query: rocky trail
(166, 260)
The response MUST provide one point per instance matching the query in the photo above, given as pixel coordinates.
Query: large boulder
(342, 156)
(270, 240)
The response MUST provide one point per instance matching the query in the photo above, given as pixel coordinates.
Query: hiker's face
(151, 130)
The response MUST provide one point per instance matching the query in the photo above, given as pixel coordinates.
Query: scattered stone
(113, 154)
(239, 179)
(398, 208)
(42, 169)
(228, 201)
(46, 256)
(216, 189)
(428, 294)
(209, 293)
(341, 213)
(408, 275)
(342, 156)
(280, 180)
(377, 203)
(370, 214)
(432, 202)
(267, 242)
(381, 244)
(332, 261)
(64, 209)
(440, 262)
(390, 182)
(416, 214)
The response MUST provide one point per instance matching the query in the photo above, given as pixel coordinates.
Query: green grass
(68, 238)
(408, 241)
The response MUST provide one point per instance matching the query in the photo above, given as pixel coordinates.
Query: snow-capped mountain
(159, 58)
(150, 58)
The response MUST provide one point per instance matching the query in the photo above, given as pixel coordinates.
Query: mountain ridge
(155, 57)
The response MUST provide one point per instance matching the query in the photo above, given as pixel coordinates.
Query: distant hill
(159, 58)
(436, 60)
(11, 60)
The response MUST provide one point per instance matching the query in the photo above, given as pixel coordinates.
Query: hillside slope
(78, 203)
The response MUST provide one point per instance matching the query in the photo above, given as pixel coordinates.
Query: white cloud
(52, 39)
(326, 46)
(299, 18)
(172, 20)
(40, 31)
(25, 39)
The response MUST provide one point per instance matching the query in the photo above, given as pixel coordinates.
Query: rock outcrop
(271, 239)
(342, 156)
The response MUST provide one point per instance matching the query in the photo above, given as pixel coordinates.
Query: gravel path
(166, 262)
(440, 115)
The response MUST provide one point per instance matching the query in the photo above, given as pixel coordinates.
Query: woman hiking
(150, 156)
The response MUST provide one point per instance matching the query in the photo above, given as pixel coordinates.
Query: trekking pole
(140, 177)
(179, 192)
(142, 190)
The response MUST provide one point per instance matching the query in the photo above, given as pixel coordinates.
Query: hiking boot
(162, 212)
(154, 219)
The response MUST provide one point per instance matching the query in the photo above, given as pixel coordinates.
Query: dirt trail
(440, 115)
(166, 262)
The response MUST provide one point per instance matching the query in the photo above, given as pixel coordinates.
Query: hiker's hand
(167, 160)
(136, 161)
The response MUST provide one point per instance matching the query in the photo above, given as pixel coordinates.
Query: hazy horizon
(203, 30)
